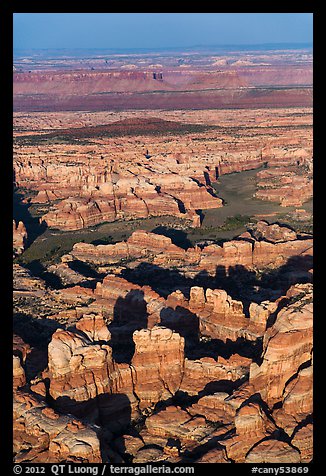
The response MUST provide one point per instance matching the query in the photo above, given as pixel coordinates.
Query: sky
(158, 30)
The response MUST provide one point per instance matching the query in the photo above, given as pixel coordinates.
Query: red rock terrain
(233, 377)
(97, 175)
(286, 186)
(144, 348)
(100, 90)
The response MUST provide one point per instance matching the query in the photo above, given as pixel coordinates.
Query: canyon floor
(162, 254)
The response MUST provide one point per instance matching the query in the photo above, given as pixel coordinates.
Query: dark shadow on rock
(36, 362)
(33, 331)
(85, 269)
(111, 412)
(53, 281)
(103, 241)
(88, 284)
(161, 280)
(236, 281)
(256, 398)
(306, 421)
(178, 237)
(203, 280)
(186, 323)
(244, 285)
(225, 386)
(37, 333)
(239, 282)
(216, 347)
(295, 270)
(174, 442)
(190, 456)
(21, 213)
(304, 365)
(130, 314)
(181, 205)
(300, 262)
(272, 318)
(288, 226)
(212, 192)
(201, 214)
(119, 446)
(183, 400)
(181, 320)
(207, 178)
(38, 269)
(279, 433)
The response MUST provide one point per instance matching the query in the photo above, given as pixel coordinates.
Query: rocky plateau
(143, 345)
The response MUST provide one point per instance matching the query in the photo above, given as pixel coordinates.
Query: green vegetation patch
(235, 222)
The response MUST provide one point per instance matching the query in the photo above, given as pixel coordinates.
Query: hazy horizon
(287, 45)
(152, 31)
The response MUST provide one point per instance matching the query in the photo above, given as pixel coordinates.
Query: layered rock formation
(109, 192)
(142, 350)
(181, 88)
(266, 246)
(231, 408)
(41, 435)
(287, 186)
(126, 169)
(286, 346)
(157, 365)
